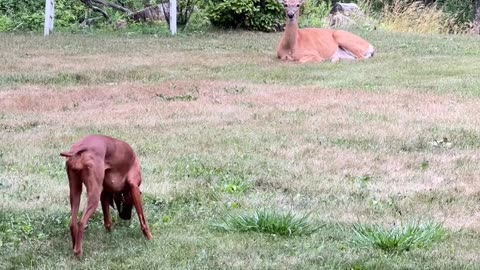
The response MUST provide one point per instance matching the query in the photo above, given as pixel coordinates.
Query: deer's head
(291, 8)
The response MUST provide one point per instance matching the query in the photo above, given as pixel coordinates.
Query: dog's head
(124, 203)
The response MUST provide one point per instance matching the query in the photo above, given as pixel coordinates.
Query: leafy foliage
(6, 23)
(313, 13)
(271, 222)
(261, 15)
(198, 21)
(29, 14)
(460, 11)
(400, 239)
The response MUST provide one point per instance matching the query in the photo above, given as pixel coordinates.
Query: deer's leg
(341, 54)
(353, 44)
(311, 57)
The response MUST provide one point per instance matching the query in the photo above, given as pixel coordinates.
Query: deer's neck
(290, 34)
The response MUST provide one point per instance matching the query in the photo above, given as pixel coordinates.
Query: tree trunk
(95, 6)
(476, 20)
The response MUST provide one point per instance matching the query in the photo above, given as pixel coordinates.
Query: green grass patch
(231, 177)
(23, 229)
(399, 239)
(270, 222)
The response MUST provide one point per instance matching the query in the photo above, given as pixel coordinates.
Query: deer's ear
(281, 2)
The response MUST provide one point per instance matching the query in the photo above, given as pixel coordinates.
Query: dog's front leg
(106, 199)
(137, 202)
(134, 179)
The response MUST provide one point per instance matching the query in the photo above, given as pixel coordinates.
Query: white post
(52, 3)
(49, 15)
(173, 16)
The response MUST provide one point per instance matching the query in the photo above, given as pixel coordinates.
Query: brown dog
(110, 171)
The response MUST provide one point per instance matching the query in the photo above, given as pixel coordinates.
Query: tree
(148, 13)
(476, 20)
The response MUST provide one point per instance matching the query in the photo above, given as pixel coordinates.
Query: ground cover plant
(222, 128)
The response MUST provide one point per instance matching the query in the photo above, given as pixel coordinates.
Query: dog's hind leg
(75, 184)
(92, 176)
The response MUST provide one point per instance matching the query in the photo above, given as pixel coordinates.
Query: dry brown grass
(345, 154)
(373, 127)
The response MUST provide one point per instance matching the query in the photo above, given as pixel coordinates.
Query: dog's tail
(67, 154)
(72, 153)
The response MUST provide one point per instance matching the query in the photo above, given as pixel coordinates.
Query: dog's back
(115, 153)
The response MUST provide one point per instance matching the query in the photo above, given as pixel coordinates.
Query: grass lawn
(248, 162)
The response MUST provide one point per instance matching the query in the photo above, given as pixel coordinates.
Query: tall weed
(404, 16)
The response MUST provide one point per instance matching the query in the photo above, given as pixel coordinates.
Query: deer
(316, 44)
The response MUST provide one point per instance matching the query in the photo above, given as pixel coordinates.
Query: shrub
(260, 15)
(6, 23)
(459, 14)
(198, 21)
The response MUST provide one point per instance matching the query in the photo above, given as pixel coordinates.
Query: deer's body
(315, 44)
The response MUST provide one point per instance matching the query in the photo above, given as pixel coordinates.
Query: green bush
(259, 15)
(314, 13)
(198, 21)
(29, 15)
(6, 24)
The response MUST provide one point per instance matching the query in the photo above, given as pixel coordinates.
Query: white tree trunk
(476, 20)
(49, 16)
(173, 16)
